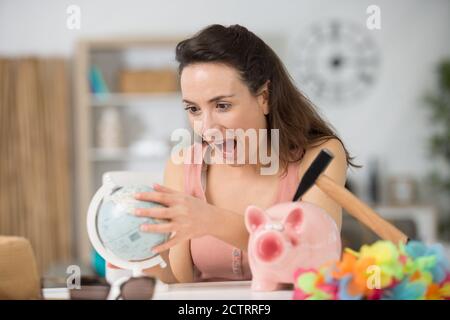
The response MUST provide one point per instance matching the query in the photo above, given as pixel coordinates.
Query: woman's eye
(191, 109)
(223, 106)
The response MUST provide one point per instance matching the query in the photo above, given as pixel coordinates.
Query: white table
(229, 290)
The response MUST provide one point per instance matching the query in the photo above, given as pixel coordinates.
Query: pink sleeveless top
(214, 259)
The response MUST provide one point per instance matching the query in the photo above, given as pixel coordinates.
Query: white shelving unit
(162, 111)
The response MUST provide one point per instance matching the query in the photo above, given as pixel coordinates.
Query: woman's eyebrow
(212, 99)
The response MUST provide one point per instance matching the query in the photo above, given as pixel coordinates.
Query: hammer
(346, 199)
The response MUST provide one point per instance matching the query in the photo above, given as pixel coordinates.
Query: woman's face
(216, 99)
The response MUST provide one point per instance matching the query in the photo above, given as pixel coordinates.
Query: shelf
(110, 55)
(124, 99)
(101, 155)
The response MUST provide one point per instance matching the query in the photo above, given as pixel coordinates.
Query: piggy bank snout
(270, 246)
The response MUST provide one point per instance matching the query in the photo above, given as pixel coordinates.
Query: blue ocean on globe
(118, 229)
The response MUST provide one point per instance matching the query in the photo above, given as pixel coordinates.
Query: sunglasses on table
(126, 288)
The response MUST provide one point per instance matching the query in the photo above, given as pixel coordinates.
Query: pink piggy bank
(288, 236)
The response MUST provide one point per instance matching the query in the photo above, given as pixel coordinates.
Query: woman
(231, 79)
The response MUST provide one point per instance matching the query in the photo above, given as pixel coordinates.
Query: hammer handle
(360, 210)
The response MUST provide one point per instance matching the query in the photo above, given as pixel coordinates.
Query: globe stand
(115, 290)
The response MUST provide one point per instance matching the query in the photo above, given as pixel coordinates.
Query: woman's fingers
(166, 245)
(158, 213)
(159, 187)
(159, 197)
(158, 227)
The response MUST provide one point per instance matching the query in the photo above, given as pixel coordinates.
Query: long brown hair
(300, 125)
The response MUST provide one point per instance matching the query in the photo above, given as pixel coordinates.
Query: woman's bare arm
(337, 170)
(180, 254)
(229, 227)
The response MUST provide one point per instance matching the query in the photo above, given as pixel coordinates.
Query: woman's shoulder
(332, 144)
(183, 164)
(174, 171)
(336, 170)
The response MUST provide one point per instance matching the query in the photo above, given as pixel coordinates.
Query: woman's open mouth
(226, 147)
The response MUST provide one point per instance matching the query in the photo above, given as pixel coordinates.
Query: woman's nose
(210, 128)
(212, 134)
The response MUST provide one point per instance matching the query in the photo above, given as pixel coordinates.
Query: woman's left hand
(188, 217)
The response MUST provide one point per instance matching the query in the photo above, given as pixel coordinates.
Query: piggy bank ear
(254, 218)
(294, 219)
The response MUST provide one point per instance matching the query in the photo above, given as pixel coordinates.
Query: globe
(118, 229)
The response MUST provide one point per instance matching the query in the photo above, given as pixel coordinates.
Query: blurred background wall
(387, 122)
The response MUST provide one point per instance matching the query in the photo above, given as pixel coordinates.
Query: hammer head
(316, 168)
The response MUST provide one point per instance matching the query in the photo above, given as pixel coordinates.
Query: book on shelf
(97, 82)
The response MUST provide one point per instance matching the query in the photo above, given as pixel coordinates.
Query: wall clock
(335, 61)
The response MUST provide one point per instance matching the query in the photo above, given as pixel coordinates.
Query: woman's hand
(188, 217)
